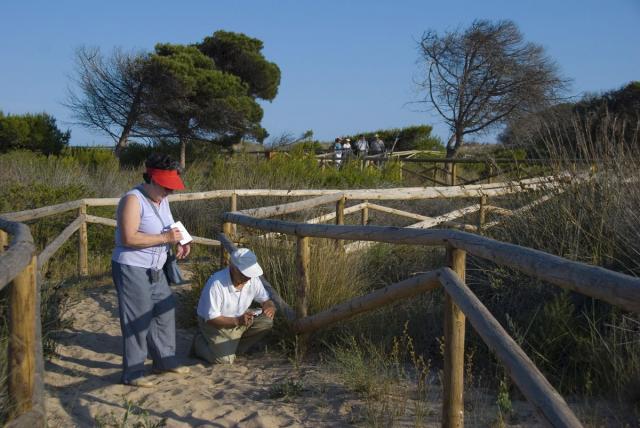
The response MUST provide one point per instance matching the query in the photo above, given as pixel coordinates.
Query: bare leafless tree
(478, 77)
(110, 93)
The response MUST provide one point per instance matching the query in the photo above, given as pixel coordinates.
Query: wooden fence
(20, 265)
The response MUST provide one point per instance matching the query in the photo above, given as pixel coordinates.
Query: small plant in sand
(134, 417)
(390, 380)
(288, 389)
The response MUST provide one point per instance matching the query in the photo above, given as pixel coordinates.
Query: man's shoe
(178, 370)
(140, 383)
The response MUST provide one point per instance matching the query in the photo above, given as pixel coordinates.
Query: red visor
(168, 178)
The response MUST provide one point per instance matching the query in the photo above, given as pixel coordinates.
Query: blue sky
(347, 66)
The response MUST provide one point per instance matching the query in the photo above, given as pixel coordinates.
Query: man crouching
(226, 325)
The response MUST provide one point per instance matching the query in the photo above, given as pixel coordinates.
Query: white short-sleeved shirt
(220, 297)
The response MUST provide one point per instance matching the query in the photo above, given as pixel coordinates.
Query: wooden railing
(20, 266)
(460, 303)
(25, 366)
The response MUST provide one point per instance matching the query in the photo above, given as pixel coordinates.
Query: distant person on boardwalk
(145, 303)
(226, 325)
(337, 152)
(346, 149)
(377, 148)
(362, 147)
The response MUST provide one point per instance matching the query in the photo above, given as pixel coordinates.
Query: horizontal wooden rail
(18, 255)
(281, 305)
(111, 222)
(59, 241)
(550, 405)
(291, 207)
(445, 218)
(330, 216)
(42, 212)
(397, 212)
(391, 293)
(402, 193)
(612, 287)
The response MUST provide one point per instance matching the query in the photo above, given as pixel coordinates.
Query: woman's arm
(129, 222)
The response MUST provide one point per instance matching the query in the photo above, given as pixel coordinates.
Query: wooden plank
(498, 210)
(482, 212)
(340, 218)
(22, 340)
(391, 293)
(224, 254)
(112, 223)
(291, 207)
(4, 241)
(401, 213)
(83, 244)
(303, 259)
(364, 217)
(454, 331)
(549, 405)
(234, 207)
(42, 212)
(59, 241)
(332, 215)
(612, 287)
(101, 220)
(445, 217)
(18, 255)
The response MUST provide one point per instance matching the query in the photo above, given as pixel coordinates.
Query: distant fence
(20, 266)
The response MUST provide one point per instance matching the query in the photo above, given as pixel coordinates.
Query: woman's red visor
(168, 178)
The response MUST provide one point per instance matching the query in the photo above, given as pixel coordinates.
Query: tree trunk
(452, 151)
(132, 117)
(123, 141)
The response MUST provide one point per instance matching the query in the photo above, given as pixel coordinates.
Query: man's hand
(269, 309)
(183, 251)
(245, 319)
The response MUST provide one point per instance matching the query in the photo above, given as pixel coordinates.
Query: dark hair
(160, 161)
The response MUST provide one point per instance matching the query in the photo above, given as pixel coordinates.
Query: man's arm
(231, 322)
(269, 308)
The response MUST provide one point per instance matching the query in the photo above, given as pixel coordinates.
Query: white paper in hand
(186, 238)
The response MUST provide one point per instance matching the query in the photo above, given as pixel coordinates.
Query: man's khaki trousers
(220, 346)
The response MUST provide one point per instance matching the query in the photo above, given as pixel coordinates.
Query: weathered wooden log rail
(20, 266)
(460, 303)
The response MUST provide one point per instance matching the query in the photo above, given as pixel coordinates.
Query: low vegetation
(392, 356)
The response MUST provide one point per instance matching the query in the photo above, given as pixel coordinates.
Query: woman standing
(145, 302)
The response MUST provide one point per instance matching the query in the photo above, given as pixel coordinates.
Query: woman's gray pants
(147, 319)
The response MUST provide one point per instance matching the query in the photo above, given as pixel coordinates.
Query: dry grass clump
(582, 345)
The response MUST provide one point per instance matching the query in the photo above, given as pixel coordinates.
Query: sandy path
(82, 382)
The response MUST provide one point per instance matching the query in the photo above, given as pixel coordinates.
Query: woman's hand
(183, 251)
(173, 236)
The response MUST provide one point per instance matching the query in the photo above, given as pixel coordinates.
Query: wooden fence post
(22, 339)
(340, 217)
(83, 244)
(224, 255)
(303, 257)
(4, 241)
(453, 170)
(454, 330)
(365, 215)
(482, 213)
(234, 207)
(489, 172)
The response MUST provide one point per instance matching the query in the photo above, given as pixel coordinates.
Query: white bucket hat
(246, 262)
